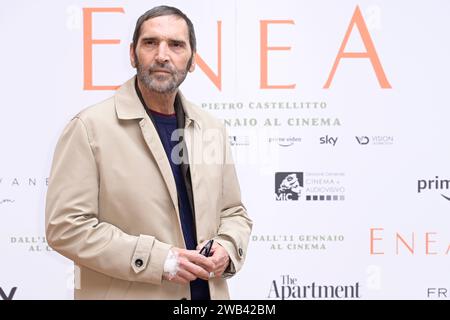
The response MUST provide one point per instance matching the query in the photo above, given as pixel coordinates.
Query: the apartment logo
(290, 288)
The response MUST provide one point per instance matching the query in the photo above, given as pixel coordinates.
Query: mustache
(164, 68)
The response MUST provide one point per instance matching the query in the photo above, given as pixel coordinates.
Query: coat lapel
(129, 107)
(155, 146)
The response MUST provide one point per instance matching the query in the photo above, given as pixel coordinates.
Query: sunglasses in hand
(206, 250)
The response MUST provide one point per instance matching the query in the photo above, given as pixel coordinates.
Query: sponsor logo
(375, 140)
(289, 287)
(285, 142)
(437, 185)
(7, 295)
(6, 201)
(239, 141)
(362, 140)
(328, 140)
(288, 185)
(312, 186)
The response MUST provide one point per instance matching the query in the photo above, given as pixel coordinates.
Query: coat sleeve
(235, 224)
(72, 224)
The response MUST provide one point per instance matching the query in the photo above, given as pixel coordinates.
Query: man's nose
(162, 54)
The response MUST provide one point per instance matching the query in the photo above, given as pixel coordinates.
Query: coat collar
(128, 106)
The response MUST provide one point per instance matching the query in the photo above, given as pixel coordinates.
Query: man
(131, 199)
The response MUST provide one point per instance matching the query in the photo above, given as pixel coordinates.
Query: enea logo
(8, 296)
(435, 184)
(288, 185)
(362, 140)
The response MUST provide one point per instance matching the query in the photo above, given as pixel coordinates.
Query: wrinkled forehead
(169, 27)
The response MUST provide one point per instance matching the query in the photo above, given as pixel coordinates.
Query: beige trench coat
(112, 200)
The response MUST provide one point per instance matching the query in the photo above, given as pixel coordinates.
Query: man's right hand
(192, 265)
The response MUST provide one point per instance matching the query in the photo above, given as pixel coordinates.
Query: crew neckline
(171, 115)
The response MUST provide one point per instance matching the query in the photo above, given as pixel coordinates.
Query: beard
(160, 82)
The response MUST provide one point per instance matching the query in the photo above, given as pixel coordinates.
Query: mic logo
(288, 185)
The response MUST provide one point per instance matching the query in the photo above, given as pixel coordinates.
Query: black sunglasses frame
(206, 250)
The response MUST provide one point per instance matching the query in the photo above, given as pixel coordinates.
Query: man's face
(162, 54)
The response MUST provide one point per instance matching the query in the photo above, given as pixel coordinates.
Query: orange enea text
(89, 43)
(215, 77)
(371, 53)
(407, 244)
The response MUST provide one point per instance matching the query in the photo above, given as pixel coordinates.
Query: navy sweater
(165, 125)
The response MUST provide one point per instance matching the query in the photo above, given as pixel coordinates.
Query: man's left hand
(220, 258)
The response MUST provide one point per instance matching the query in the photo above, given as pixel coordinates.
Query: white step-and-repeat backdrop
(338, 113)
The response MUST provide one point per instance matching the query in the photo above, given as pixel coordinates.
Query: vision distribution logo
(375, 140)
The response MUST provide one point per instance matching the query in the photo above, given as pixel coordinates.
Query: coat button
(241, 252)
(138, 263)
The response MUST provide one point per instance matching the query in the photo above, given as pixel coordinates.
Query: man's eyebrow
(149, 38)
(180, 43)
(159, 39)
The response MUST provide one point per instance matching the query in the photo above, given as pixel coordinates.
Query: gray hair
(164, 11)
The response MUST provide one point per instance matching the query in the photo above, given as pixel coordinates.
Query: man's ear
(192, 67)
(132, 56)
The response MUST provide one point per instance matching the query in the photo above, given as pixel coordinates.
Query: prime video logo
(434, 184)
